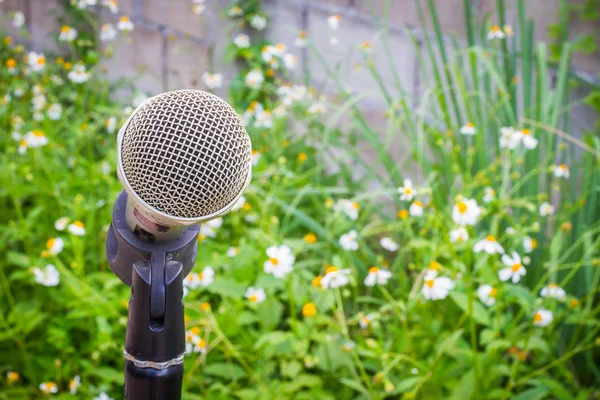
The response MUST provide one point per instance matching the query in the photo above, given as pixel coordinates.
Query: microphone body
(184, 158)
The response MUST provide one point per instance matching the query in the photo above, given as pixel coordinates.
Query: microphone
(183, 157)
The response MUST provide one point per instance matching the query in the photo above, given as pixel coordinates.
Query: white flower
(193, 342)
(301, 41)
(102, 396)
(67, 34)
(366, 320)
(209, 229)
(489, 245)
(206, 277)
(55, 245)
(258, 22)
(290, 61)
(263, 119)
(490, 195)
(333, 41)
(348, 241)
(407, 192)
(77, 228)
(496, 33)
(242, 41)
(466, 212)
(317, 108)
(553, 291)
(487, 294)
(416, 209)
(22, 147)
(459, 235)
(107, 33)
(542, 317)
(61, 224)
(468, 129)
(280, 111)
(389, 244)
(199, 7)
(49, 276)
(232, 252)
(38, 116)
(377, 276)
(48, 387)
(74, 384)
(111, 5)
(235, 11)
(561, 171)
(335, 277)
(546, 209)
(54, 111)
(19, 91)
(334, 21)
(36, 139)
(111, 124)
(280, 262)
(255, 295)
(254, 79)
(125, 24)
(529, 244)
(509, 138)
(36, 61)
(18, 19)
(528, 140)
(255, 157)
(348, 345)
(38, 102)
(239, 203)
(84, 3)
(436, 288)
(78, 74)
(514, 269)
(348, 207)
(212, 81)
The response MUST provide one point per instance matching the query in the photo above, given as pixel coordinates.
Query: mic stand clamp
(155, 340)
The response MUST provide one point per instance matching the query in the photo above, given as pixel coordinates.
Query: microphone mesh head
(186, 153)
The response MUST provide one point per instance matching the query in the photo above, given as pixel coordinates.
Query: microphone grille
(186, 153)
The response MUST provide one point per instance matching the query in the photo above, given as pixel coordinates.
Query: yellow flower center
(202, 343)
(11, 63)
(493, 292)
(23, 143)
(355, 206)
(309, 310)
(330, 269)
(41, 60)
(310, 238)
(470, 125)
(434, 266)
(253, 298)
(418, 203)
(526, 132)
(403, 214)
(302, 157)
(366, 320)
(125, 19)
(462, 207)
(39, 134)
(274, 261)
(373, 270)
(65, 29)
(533, 243)
(516, 267)
(78, 224)
(429, 283)
(490, 238)
(563, 167)
(205, 306)
(495, 28)
(302, 34)
(552, 285)
(12, 376)
(195, 330)
(407, 191)
(72, 383)
(537, 317)
(50, 243)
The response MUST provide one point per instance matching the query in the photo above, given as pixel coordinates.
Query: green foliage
(320, 331)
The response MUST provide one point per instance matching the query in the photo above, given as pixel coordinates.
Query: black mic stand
(155, 341)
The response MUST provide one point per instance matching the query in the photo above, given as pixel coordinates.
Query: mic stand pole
(155, 340)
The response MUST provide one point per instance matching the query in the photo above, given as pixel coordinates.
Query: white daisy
(348, 241)
(416, 209)
(78, 74)
(232, 252)
(54, 111)
(48, 387)
(74, 384)
(553, 291)
(468, 129)
(377, 276)
(111, 5)
(67, 34)
(487, 294)
(459, 235)
(335, 277)
(280, 262)
(36, 61)
(111, 124)
(561, 171)
(61, 224)
(263, 119)
(514, 269)
(258, 22)
(254, 79)
(18, 19)
(255, 157)
(242, 41)
(490, 195)
(35, 139)
(436, 288)
(348, 207)
(528, 140)
(102, 396)
(542, 317)
(334, 22)
(366, 320)
(107, 33)
(55, 246)
(546, 209)
(49, 276)
(489, 245)
(212, 81)
(77, 228)
(389, 244)
(125, 24)
(529, 244)
(255, 295)
(509, 138)
(290, 61)
(407, 192)
(239, 203)
(466, 212)
(209, 228)
(495, 33)
(301, 40)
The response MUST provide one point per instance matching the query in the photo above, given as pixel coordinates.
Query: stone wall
(171, 47)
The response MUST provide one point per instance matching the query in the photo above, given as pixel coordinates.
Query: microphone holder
(155, 340)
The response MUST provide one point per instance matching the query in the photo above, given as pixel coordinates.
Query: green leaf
(224, 370)
(480, 314)
(109, 374)
(448, 345)
(351, 383)
(556, 388)
(487, 335)
(537, 393)
(290, 368)
(227, 288)
(273, 338)
(406, 384)
(269, 313)
(18, 259)
(464, 388)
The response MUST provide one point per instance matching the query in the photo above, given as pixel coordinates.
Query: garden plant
(467, 269)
